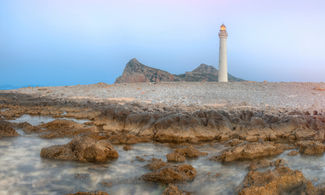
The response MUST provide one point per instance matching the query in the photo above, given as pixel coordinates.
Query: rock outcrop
(82, 148)
(281, 180)
(64, 128)
(138, 72)
(249, 151)
(6, 129)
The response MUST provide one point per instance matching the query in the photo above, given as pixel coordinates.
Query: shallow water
(37, 120)
(22, 171)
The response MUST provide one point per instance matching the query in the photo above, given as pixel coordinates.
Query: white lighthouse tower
(223, 69)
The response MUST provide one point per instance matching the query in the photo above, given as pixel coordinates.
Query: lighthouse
(223, 70)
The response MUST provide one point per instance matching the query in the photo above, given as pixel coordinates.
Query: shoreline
(248, 133)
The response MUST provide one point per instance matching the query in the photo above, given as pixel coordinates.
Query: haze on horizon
(45, 42)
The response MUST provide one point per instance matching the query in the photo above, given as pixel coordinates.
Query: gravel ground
(303, 96)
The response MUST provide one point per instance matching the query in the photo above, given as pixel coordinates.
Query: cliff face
(137, 72)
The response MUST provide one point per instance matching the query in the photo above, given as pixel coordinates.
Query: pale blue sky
(67, 42)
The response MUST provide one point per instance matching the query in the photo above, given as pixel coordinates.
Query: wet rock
(64, 128)
(28, 128)
(281, 180)
(6, 129)
(175, 157)
(251, 138)
(180, 154)
(259, 164)
(311, 147)
(156, 164)
(249, 151)
(90, 193)
(138, 158)
(264, 163)
(234, 142)
(293, 153)
(173, 190)
(126, 138)
(171, 174)
(279, 162)
(84, 149)
(127, 147)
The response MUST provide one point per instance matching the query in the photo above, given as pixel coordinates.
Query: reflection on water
(37, 120)
(22, 171)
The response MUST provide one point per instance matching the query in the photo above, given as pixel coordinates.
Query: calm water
(22, 171)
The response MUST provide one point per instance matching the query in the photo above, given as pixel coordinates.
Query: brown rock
(138, 158)
(28, 128)
(64, 128)
(84, 149)
(250, 151)
(156, 164)
(258, 164)
(293, 153)
(279, 162)
(311, 147)
(180, 154)
(175, 157)
(281, 180)
(127, 147)
(171, 174)
(6, 129)
(173, 190)
(251, 138)
(234, 142)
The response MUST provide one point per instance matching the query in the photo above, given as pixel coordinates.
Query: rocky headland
(135, 71)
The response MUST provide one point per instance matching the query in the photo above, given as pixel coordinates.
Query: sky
(69, 42)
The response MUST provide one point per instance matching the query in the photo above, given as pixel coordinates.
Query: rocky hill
(137, 72)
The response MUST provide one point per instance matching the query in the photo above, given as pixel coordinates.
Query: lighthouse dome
(222, 27)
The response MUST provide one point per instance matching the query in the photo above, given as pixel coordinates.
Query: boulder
(84, 149)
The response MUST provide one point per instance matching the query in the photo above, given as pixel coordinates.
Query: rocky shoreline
(248, 134)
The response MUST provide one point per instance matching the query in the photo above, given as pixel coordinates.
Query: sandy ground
(303, 96)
